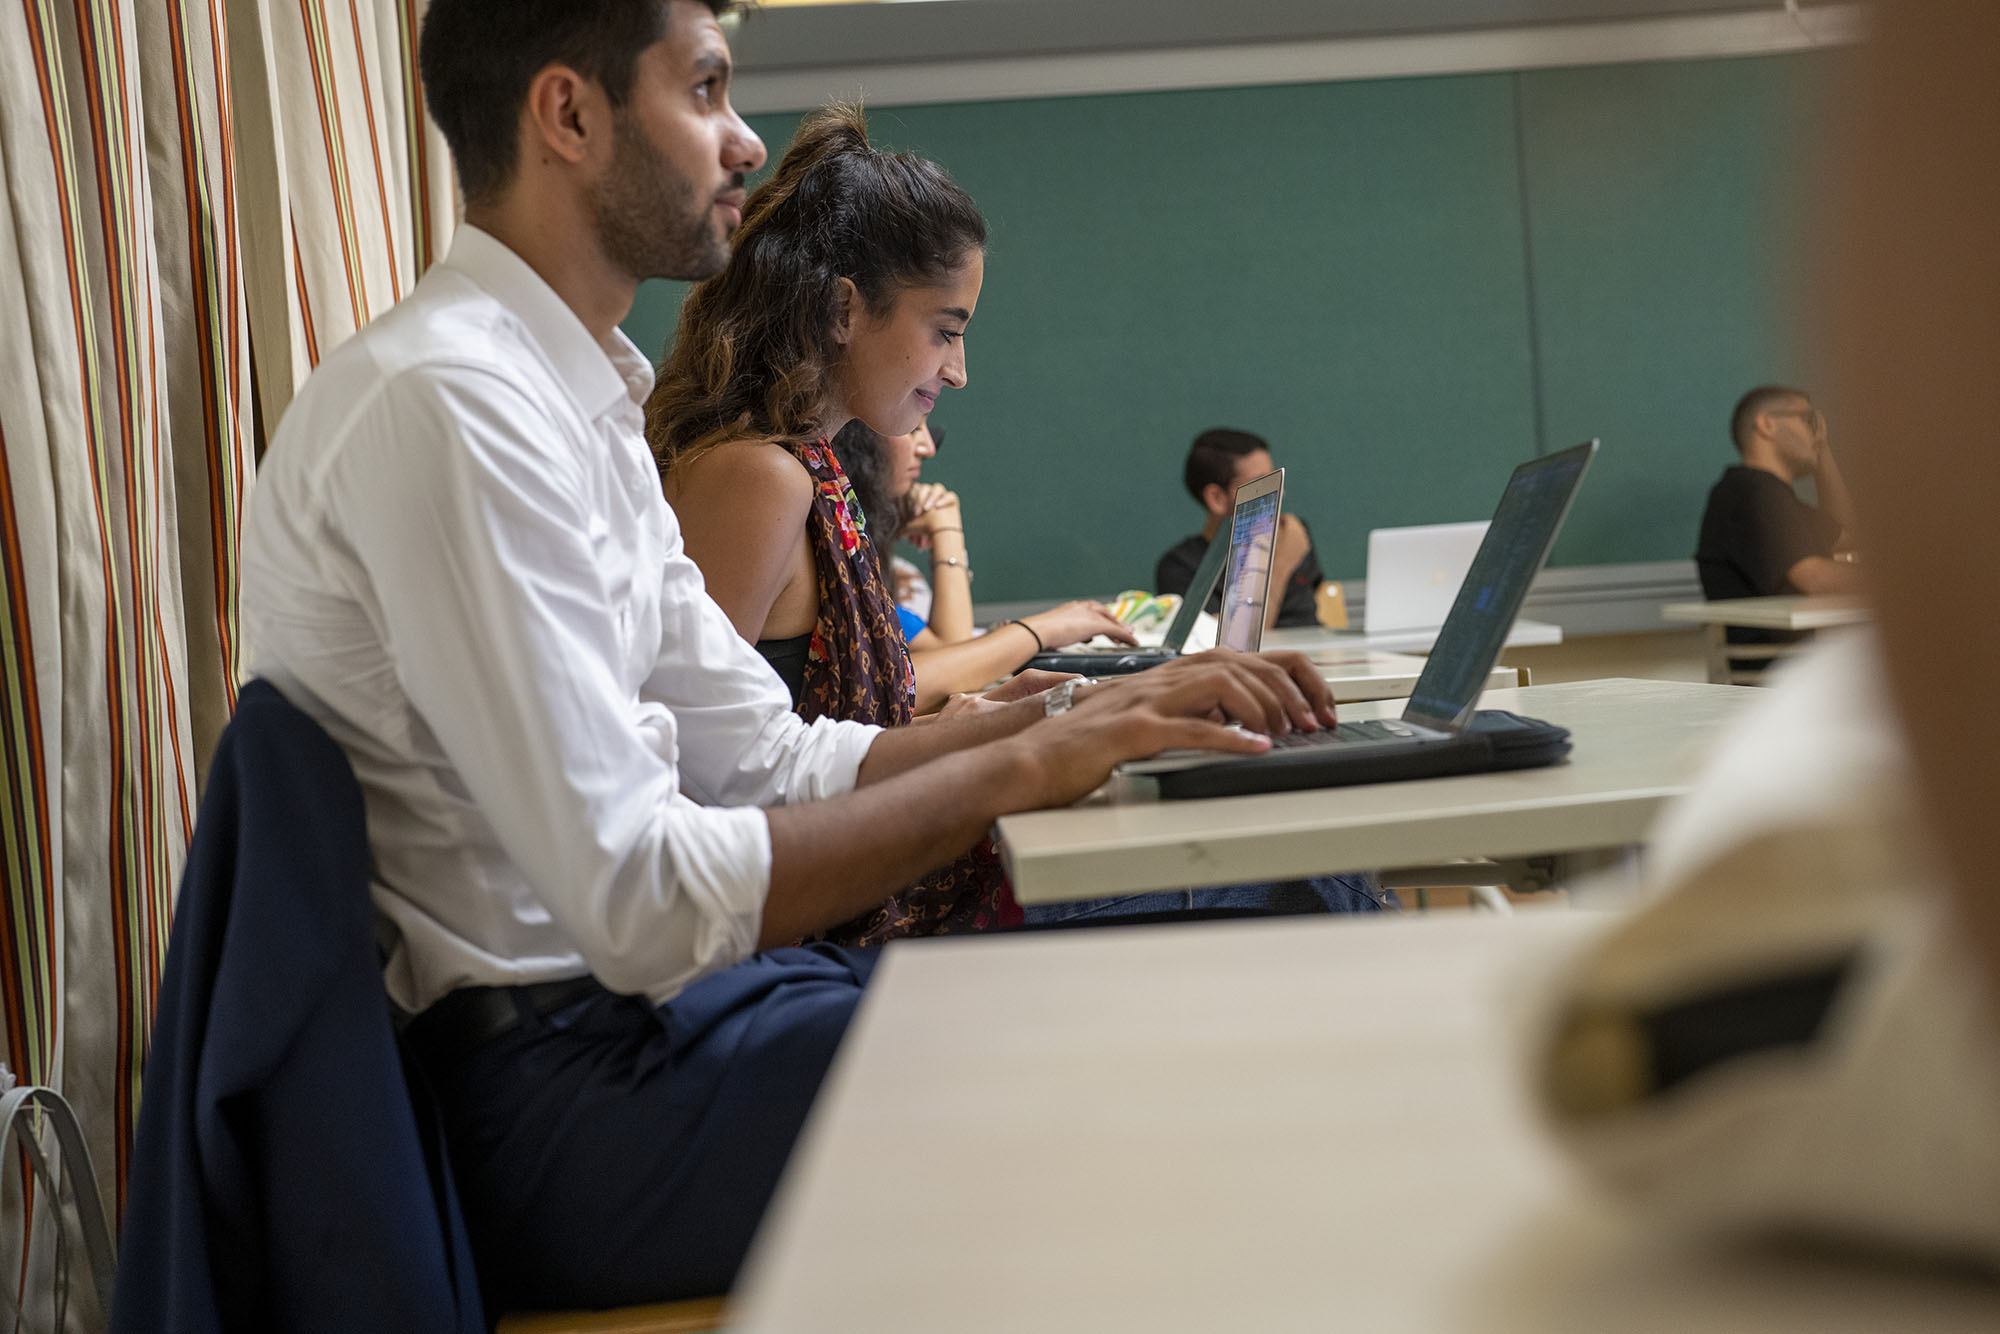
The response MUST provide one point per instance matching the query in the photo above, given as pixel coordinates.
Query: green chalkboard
(1669, 265)
(1405, 285)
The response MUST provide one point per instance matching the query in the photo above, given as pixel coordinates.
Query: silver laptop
(1240, 553)
(1414, 574)
(1253, 543)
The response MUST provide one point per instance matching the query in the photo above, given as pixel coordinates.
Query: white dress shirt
(458, 560)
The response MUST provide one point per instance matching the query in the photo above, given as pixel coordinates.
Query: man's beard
(647, 218)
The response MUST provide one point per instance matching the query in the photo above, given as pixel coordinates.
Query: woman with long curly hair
(854, 275)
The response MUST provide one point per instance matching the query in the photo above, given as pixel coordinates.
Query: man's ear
(564, 114)
(846, 301)
(1215, 499)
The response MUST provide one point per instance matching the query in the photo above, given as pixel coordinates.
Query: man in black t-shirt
(1218, 462)
(1758, 539)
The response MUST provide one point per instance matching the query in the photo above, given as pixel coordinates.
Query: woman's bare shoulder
(738, 470)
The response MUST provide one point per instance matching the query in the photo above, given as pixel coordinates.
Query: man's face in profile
(1795, 428)
(673, 191)
(1248, 468)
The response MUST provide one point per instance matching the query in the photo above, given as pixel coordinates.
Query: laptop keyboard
(1382, 729)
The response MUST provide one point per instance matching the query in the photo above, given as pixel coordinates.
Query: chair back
(283, 1178)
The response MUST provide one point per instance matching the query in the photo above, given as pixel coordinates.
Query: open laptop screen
(1253, 539)
(1524, 528)
(1414, 573)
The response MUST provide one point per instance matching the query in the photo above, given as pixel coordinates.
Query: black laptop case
(1099, 664)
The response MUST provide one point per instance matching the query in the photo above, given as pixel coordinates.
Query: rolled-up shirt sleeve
(741, 743)
(507, 640)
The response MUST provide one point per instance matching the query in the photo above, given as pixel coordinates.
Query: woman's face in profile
(905, 455)
(894, 365)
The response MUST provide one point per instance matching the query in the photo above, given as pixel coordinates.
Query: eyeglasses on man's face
(1809, 415)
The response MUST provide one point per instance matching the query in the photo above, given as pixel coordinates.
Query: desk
(1637, 744)
(1787, 613)
(1800, 613)
(1358, 674)
(1521, 634)
(1304, 1125)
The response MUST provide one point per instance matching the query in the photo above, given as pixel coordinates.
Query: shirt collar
(600, 375)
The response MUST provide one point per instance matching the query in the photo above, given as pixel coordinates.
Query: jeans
(1319, 894)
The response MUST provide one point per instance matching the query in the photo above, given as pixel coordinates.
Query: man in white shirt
(590, 805)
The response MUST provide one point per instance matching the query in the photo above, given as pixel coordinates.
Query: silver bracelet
(959, 561)
(1062, 695)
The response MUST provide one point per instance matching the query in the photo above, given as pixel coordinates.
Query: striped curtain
(185, 181)
(349, 181)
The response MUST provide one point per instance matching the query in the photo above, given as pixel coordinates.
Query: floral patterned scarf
(858, 668)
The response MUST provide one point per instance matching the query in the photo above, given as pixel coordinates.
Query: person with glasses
(927, 516)
(1758, 538)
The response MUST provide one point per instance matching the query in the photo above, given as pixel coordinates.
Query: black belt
(471, 1017)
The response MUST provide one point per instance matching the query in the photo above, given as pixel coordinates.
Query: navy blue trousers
(612, 1153)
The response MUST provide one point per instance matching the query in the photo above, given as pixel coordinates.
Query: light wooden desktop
(1358, 674)
(1637, 744)
(1307, 1125)
(1314, 640)
(1780, 613)
(1775, 613)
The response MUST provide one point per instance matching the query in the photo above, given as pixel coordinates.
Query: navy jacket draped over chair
(282, 1178)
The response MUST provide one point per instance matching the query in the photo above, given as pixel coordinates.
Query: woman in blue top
(949, 654)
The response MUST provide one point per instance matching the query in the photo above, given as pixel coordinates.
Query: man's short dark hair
(477, 58)
(1212, 458)
(1763, 398)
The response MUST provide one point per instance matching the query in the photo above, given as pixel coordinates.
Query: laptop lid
(1414, 574)
(1253, 541)
(1531, 512)
(1196, 597)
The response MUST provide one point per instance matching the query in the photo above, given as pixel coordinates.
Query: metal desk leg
(1605, 877)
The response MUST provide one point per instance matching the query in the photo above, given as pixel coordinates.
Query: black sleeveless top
(788, 659)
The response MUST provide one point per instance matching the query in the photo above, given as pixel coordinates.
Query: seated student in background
(1758, 539)
(948, 656)
(894, 503)
(1218, 462)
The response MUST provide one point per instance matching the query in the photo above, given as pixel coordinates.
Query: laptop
(1414, 574)
(1258, 504)
(1439, 732)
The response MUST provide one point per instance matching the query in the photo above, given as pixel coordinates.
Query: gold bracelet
(958, 561)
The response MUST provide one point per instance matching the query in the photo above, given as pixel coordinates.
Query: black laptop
(1440, 732)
